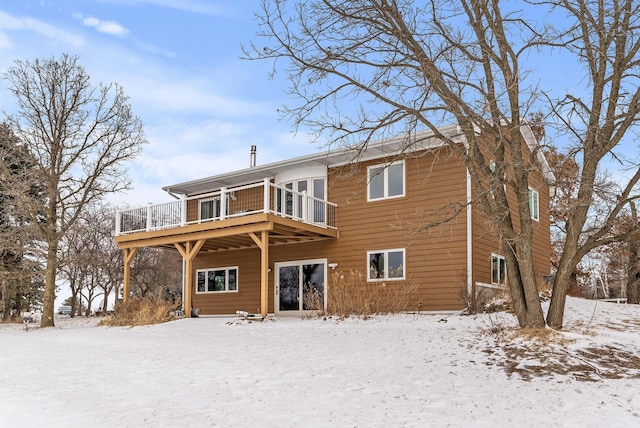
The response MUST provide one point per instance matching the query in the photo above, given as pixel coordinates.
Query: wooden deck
(229, 234)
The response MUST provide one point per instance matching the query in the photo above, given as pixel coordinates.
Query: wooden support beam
(188, 251)
(263, 243)
(129, 253)
(264, 274)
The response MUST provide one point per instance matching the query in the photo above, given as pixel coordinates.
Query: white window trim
(386, 266)
(385, 173)
(534, 215)
(499, 257)
(492, 286)
(226, 285)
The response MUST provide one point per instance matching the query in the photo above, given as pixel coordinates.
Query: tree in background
(364, 69)
(157, 271)
(80, 137)
(90, 259)
(20, 270)
(612, 265)
(633, 262)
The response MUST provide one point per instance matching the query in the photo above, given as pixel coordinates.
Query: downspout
(470, 290)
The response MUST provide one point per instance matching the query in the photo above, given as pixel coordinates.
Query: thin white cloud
(107, 27)
(156, 50)
(9, 22)
(199, 7)
(183, 95)
(5, 42)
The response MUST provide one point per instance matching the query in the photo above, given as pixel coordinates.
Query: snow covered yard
(388, 371)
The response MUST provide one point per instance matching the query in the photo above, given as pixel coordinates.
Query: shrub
(141, 311)
(351, 294)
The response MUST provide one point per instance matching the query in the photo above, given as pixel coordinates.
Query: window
(386, 264)
(210, 208)
(217, 280)
(291, 204)
(498, 270)
(385, 181)
(533, 204)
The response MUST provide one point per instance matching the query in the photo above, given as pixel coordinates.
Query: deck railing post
(149, 223)
(183, 212)
(305, 206)
(223, 203)
(267, 194)
(118, 222)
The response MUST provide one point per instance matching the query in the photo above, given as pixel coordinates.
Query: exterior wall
(486, 237)
(435, 259)
(248, 295)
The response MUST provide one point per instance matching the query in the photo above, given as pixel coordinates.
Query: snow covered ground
(388, 371)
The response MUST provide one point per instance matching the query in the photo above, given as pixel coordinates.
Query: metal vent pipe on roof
(252, 159)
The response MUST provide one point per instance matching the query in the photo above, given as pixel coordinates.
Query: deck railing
(263, 197)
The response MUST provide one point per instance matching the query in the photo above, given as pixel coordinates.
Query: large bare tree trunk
(50, 287)
(6, 301)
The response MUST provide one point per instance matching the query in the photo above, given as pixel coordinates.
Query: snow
(410, 370)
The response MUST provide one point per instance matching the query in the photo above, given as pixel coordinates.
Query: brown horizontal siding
(435, 259)
(248, 295)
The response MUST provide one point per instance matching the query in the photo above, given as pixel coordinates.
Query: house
(265, 238)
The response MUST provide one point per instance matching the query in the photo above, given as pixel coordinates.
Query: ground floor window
(498, 270)
(386, 264)
(217, 280)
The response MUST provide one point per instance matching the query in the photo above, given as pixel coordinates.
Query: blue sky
(179, 62)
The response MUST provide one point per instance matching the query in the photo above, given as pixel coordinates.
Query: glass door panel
(302, 187)
(289, 288)
(312, 286)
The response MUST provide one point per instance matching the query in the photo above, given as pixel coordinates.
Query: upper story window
(533, 204)
(209, 208)
(290, 200)
(385, 181)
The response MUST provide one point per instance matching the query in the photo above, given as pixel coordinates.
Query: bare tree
(603, 36)
(157, 271)
(111, 257)
(80, 137)
(362, 69)
(101, 259)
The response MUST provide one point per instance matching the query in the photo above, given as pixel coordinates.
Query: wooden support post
(129, 253)
(188, 251)
(263, 244)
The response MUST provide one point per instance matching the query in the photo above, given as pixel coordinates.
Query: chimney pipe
(252, 159)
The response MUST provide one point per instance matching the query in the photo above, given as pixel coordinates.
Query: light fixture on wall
(333, 266)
